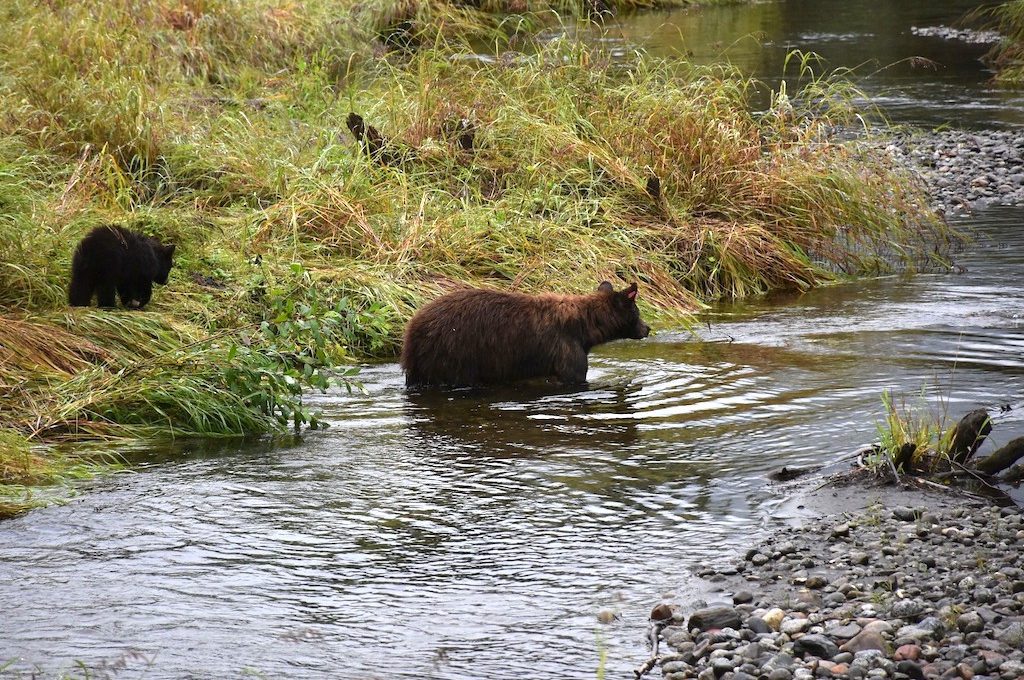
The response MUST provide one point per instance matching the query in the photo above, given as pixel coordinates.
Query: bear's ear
(631, 291)
(605, 287)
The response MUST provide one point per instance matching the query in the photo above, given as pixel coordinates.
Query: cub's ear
(631, 291)
(605, 287)
(169, 250)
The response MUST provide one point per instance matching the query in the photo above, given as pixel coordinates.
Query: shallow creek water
(470, 535)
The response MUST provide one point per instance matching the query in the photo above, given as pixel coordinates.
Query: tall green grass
(1008, 55)
(219, 125)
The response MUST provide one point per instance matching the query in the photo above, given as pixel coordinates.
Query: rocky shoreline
(907, 585)
(933, 589)
(966, 35)
(966, 170)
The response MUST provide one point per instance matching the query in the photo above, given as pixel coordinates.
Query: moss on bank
(221, 127)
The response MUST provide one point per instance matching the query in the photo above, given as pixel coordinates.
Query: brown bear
(482, 337)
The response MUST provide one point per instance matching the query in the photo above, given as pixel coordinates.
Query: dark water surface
(875, 39)
(472, 536)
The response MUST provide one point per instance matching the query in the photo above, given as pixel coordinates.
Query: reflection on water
(950, 85)
(477, 533)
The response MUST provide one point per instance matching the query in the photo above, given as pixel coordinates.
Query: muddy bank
(883, 583)
(965, 170)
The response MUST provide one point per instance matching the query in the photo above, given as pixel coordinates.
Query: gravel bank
(966, 35)
(967, 171)
(902, 592)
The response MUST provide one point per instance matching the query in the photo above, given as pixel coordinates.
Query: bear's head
(164, 260)
(626, 313)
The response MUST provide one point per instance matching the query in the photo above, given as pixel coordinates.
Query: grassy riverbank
(221, 127)
(1008, 56)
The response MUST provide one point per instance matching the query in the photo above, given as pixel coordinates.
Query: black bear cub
(481, 337)
(113, 259)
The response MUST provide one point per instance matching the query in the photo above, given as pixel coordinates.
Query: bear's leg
(571, 369)
(144, 291)
(135, 295)
(81, 289)
(105, 295)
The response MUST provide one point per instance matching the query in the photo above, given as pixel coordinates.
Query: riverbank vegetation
(224, 127)
(922, 438)
(1008, 56)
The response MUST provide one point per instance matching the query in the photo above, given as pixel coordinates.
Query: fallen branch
(975, 474)
(661, 616)
(1002, 458)
(653, 661)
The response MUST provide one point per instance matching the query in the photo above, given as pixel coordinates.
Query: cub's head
(164, 260)
(627, 316)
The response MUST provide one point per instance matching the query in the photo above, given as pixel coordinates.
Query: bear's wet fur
(112, 259)
(479, 337)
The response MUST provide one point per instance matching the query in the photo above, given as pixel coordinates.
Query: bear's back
(477, 336)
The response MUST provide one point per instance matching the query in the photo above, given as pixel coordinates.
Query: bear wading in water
(113, 259)
(483, 337)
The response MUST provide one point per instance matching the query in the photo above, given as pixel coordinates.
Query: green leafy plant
(296, 347)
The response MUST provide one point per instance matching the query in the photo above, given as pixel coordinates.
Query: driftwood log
(1002, 458)
(969, 434)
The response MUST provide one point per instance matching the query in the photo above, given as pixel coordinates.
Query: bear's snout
(642, 331)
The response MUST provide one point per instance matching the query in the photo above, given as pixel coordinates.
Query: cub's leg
(105, 295)
(136, 295)
(81, 289)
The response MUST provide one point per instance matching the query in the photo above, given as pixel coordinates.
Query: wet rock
(714, 617)
(721, 666)
(859, 558)
(815, 582)
(961, 34)
(661, 613)
(970, 622)
(773, 617)
(912, 652)
(793, 626)
(907, 609)
(816, 645)
(906, 514)
(865, 640)
(918, 597)
(1012, 669)
(758, 625)
(911, 669)
(878, 626)
(1012, 636)
(742, 597)
(846, 631)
